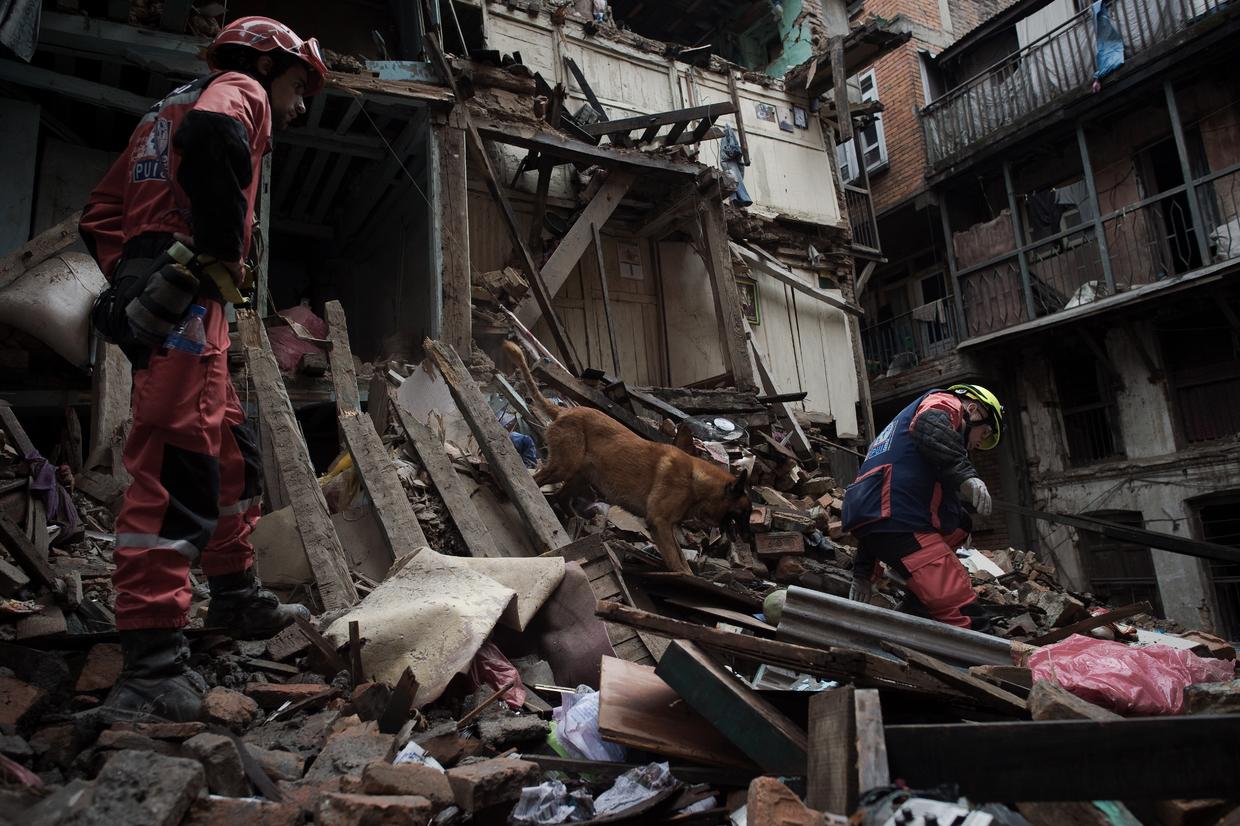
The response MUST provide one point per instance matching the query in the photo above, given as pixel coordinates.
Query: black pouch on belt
(163, 302)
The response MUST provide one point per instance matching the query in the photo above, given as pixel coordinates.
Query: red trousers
(938, 579)
(196, 482)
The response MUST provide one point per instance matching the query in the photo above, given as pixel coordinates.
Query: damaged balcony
(1041, 79)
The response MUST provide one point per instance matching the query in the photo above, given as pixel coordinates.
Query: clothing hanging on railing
(1110, 46)
(731, 160)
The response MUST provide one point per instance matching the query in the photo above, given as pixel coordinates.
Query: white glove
(860, 590)
(975, 492)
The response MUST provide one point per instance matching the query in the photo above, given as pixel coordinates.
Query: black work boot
(247, 612)
(157, 678)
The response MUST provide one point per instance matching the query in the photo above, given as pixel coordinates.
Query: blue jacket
(898, 488)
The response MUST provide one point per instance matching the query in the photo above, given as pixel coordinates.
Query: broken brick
(1050, 701)
(306, 794)
(408, 779)
(349, 751)
(17, 700)
(229, 708)
(147, 788)
(102, 669)
(491, 782)
(222, 763)
(1212, 698)
(278, 765)
(500, 731)
(303, 737)
(771, 803)
(55, 745)
(271, 696)
(162, 731)
(778, 543)
(228, 811)
(370, 700)
(114, 740)
(367, 810)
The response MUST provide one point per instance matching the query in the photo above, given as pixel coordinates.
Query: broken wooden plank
(506, 466)
(800, 442)
(847, 749)
(1090, 623)
(638, 709)
(755, 726)
(24, 553)
(1150, 758)
(288, 643)
(400, 703)
(344, 376)
(451, 193)
(582, 393)
(606, 293)
(568, 150)
(430, 452)
(314, 525)
(397, 521)
(625, 125)
(741, 133)
(839, 82)
(979, 690)
(329, 652)
(572, 246)
(40, 248)
(378, 399)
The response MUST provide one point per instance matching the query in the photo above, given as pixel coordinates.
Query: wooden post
(1186, 171)
(314, 524)
(1018, 235)
(1104, 253)
(847, 752)
(378, 397)
(718, 258)
(452, 194)
(110, 384)
(800, 442)
(253, 334)
(262, 287)
(496, 445)
(430, 451)
(397, 520)
(839, 78)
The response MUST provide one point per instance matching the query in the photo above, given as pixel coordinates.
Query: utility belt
(153, 286)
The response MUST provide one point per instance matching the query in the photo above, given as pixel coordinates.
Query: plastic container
(190, 336)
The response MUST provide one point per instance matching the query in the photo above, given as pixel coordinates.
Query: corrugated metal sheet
(817, 619)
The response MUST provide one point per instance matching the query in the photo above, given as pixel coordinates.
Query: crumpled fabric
(491, 667)
(285, 344)
(731, 159)
(1141, 681)
(55, 498)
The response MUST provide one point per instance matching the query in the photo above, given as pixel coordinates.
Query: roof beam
(558, 146)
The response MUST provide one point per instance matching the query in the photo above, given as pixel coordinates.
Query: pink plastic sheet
(1140, 681)
(287, 347)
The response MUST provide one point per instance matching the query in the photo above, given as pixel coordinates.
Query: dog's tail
(544, 405)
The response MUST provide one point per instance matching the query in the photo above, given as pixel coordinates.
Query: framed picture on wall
(765, 111)
(749, 300)
(800, 117)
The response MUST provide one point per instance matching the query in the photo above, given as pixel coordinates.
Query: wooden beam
(430, 452)
(984, 693)
(379, 398)
(452, 195)
(314, 525)
(1090, 623)
(785, 276)
(716, 252)
(577, 240)
(626, 125)
(15, 541)
(581, 393)
(753, 725)
(847, 749)
(73, 88)
(575, 151)
(839, 83)
(397, 521)
(864, 278)
(585, 88)
(740, 117)
(1151, 758)
(496, 444)
(666, 217)
(38, 249)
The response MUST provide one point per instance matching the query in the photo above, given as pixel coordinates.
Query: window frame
(846, 153)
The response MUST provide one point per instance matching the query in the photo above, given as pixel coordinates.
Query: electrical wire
(392, 152)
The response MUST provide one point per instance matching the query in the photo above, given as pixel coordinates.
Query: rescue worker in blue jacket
(905, 505)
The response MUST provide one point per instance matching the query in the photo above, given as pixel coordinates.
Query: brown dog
(660, 482)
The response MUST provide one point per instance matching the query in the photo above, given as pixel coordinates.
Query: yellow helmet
(990, 402)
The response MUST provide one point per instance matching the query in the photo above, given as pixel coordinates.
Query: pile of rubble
(515, 656)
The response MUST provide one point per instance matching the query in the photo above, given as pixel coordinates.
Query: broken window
(1201, 353)
(1087, 406)
(1219, 516)
(871, 138)
(1120, 573)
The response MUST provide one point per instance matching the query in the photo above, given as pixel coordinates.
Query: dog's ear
(737, 488)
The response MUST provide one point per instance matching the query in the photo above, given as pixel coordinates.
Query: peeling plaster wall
(1155, 478)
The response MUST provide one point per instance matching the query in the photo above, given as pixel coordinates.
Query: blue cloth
(526, 447)
(732, 159)
(897, 490)
(1110, 45)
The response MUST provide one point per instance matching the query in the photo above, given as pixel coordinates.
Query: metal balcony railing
(1147, 241)
(861, 217)
(1045, 72)
(907, 340)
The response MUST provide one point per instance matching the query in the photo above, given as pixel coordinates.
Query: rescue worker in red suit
(905, 505)
(191, 174)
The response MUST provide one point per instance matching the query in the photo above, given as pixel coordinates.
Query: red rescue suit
(193, 167)
(904, 510)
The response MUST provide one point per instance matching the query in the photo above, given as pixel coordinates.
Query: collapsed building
(668, 207)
